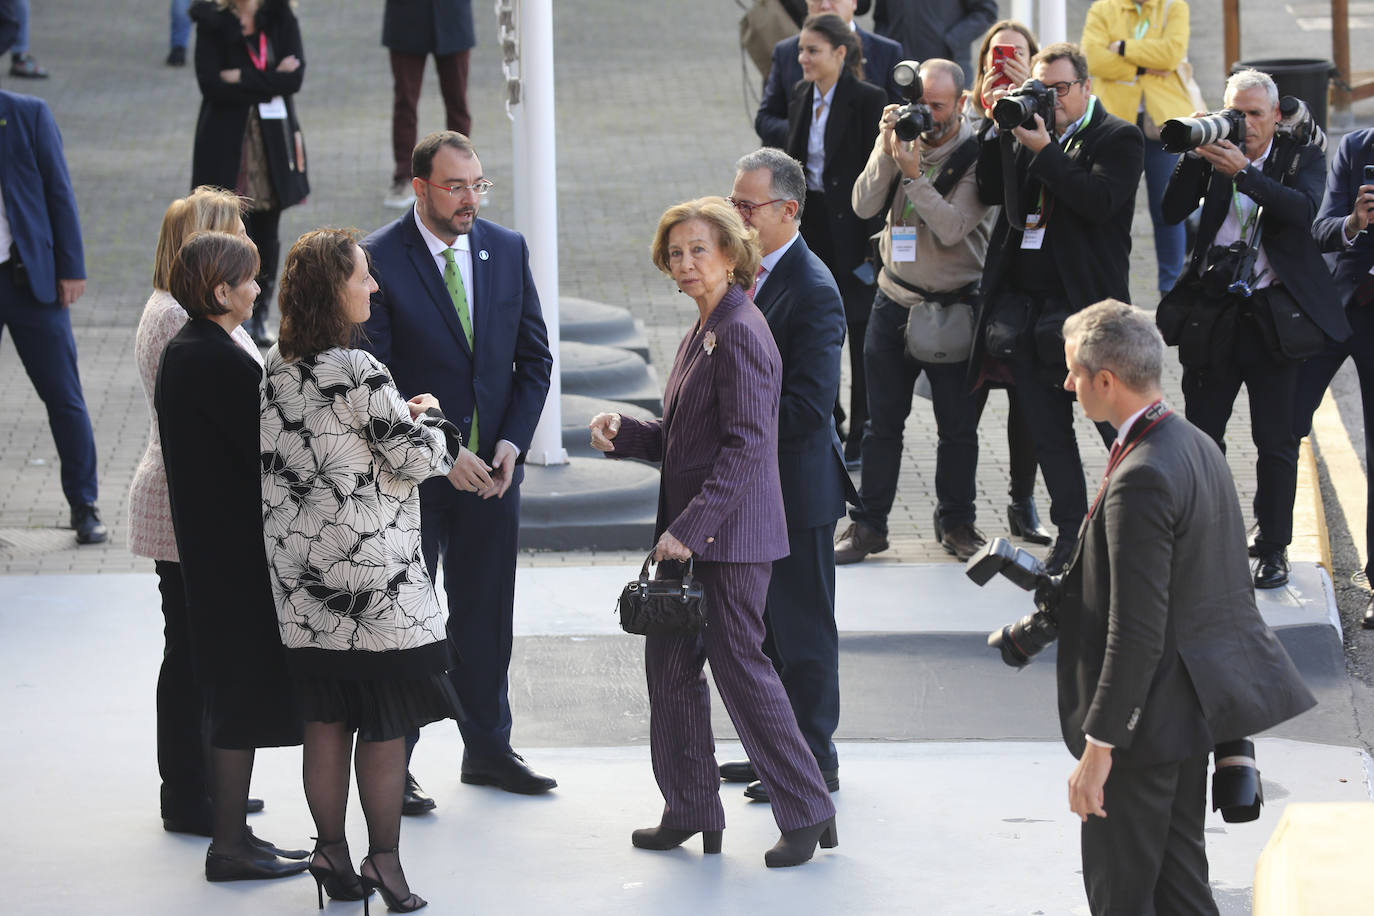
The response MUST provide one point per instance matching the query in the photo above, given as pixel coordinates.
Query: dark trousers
(801, 638)
(262, 227)
(1209, 396)
(1048, 411)
(891, 378)
(680, 741)
(407, 76)
(1316, 374)
(180, 707)
(1147, 856)
(476, 539)
(43, 336)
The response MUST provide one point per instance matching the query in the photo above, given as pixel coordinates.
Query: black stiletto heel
(661, 838)
(339, 886)
(409, 905)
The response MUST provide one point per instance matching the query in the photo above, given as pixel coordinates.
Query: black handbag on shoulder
(663, 607)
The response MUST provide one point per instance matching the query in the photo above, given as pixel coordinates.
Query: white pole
(536, 201)
(1053, 22)
(1024, 11)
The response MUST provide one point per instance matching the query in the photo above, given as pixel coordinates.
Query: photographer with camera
(920, 177)
(1162, 652)
(1256, 299)
(1062, 241)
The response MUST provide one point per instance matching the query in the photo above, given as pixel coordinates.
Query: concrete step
(584, 321)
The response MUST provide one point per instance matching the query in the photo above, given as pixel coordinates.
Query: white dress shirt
(815, 141)
(5, 238)
(770, 260)
(1231, 226)
(462, 256)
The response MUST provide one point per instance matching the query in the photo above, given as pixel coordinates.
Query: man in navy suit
(457, 316)
(798, 296)
(1342, 226)
(880, 56)
(42, 273)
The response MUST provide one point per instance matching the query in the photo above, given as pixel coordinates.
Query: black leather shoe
(89, 528)
(858, 541)
(797, 846)
(176, 57)
(233, 868)
(508, 772)
(415, 801)
(24, 66)
(269, 846)
(757, 792)
(1272, 569)
(661, 838)
(738, 771)
(1060, 554)
(1368, 622)
(254, 806)
(1024, 522)
(963, 540)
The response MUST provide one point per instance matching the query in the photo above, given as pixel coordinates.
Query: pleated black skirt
(379, 710)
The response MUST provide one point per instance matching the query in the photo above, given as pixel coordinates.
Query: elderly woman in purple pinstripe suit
(720, 502)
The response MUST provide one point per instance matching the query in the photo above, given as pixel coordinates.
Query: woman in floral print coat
(342, 459)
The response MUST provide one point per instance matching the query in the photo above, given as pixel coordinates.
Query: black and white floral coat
(342, 461)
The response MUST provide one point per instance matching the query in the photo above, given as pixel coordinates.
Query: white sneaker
(400, 196)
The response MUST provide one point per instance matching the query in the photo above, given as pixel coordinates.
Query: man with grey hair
(797, 294)
(1256, 299)
(933, 244)
(1162, 652)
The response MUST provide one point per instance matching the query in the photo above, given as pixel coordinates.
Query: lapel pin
(483, 254)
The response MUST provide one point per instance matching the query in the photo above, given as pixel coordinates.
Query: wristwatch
(906, 180)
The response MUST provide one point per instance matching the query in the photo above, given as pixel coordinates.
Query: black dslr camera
(1179, 135)
(1230, 269)
(1020, 641)
(913, 118)
(1019, 107)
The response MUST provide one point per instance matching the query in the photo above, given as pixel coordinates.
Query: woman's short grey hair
(1252, 79)
(788, 181)
(1120, 338)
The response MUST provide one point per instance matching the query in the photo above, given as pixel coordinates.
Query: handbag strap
(686, 576)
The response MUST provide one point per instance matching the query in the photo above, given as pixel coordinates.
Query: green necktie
(454, 282)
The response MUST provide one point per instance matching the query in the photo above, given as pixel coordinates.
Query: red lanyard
(260, 59)
(1154, 413)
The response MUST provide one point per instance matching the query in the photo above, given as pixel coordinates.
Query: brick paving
(651, 110)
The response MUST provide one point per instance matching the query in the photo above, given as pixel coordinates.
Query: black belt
(962, 294)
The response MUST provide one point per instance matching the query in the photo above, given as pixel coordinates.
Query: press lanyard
(1144, 25)
(1154, 414)
(1244, 221)
(1076, 137)
(929, 174)
(260, 59)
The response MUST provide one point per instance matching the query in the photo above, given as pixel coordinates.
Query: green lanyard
(1077, 138)
(906, 211)
(1243, 220)
(1144, 24)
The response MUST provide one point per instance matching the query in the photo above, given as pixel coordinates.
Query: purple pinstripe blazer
(718, 440)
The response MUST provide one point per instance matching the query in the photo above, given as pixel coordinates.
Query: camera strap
(1147, 421)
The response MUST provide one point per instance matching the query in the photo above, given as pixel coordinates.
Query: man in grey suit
(1162, 652)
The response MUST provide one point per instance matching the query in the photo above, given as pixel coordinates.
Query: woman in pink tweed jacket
(180, 753)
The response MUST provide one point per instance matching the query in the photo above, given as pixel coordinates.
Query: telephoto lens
(1236, 788)
(1179, 135)
(1021, 641)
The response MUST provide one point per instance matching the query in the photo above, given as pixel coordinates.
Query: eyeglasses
(1062, 89)
(746, 209)
(480, 187)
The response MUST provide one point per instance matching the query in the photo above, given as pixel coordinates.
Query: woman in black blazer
(249, 65)
(832, 122)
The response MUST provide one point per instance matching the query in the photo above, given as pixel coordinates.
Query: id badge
(1033, 239)
(274, 110)
(903, 244)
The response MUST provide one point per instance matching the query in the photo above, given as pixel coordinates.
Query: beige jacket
(951, 231)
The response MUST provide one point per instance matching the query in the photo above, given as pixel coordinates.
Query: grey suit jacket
(1162, 651)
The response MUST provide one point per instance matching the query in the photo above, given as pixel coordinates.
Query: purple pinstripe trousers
(680, 740)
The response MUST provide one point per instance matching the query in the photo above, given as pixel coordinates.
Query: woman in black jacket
(845, 112)
(249, 64)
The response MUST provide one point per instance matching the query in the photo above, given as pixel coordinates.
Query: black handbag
(662, 607)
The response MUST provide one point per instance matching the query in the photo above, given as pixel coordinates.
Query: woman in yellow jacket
(1134, 50)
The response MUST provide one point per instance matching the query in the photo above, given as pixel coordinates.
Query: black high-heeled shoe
(797, 846)
(410, 904)
(1024, 522)
(661, 838)
(330, 880)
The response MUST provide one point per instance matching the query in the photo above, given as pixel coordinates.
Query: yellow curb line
(1346, 475)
